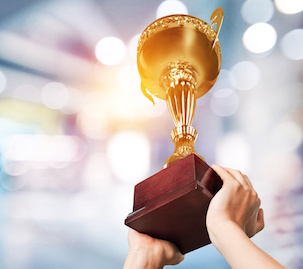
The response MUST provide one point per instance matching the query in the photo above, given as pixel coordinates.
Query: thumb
(172, 254)
(178, 257)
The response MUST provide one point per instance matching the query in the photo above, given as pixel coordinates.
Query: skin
(147, 252)
(234, 215)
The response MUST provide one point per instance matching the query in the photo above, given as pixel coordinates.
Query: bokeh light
(292, 44)
(282, 170)
(146, 108)
(83, 208)
(12, 183)
(39, 148)
(259, 38)
(76, 132)
(123, 201)
(129, 79)
(134, 104)
(97, 173)
(54, 95)
(74, 103)
(233, 150)
(92, 119)
(2, 82)
(246, 75)
(289, 6)
(254, 11)
(225, 80)
(287, 136)
(170, 7)
(110, 51)
(124, 108)
(224, 102)
(129, 156)
(27, 92)
(15, 168)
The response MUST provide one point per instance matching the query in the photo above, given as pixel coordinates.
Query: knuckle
(238, 172)
(247, 189)
(237, 185)
(254, 194)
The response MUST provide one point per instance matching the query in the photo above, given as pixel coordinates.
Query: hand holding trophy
(179, 61)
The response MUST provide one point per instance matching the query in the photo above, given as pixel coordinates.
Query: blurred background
(76, 133)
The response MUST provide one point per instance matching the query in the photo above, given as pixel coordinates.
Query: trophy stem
(181, 102)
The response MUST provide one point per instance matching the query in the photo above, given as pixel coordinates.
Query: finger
(243, 179)
(260, 221)
(222, 172)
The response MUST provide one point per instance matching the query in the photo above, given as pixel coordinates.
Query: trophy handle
(217, 18)
(147, 94)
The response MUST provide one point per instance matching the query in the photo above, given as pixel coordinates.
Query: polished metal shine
(179, 60)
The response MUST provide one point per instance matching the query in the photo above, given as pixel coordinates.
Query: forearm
(238, 250)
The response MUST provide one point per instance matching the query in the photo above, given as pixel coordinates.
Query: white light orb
(254, 11)
(246, 75)
(292, 44)
(289, 6)
(259, 38)
(170, 7)
(224, 102)
(55, 95)
(110, 51)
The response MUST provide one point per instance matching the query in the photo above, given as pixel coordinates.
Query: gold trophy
(179, 60)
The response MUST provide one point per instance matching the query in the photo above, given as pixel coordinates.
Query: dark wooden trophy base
(172, 204)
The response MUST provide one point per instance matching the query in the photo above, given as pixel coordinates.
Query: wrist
(144, 258)
(221, 232)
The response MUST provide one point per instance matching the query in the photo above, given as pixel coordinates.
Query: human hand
(236, 202)
(149, 252)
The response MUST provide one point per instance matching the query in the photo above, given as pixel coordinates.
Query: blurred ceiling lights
(260, 37)
(170, 7)
(110, 51)
(289, 6)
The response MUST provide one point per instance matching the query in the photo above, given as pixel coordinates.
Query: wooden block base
(172, 204)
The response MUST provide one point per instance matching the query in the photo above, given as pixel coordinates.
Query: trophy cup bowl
(178, 39)
(179, 60)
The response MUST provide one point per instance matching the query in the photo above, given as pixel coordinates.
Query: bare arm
(233, 216)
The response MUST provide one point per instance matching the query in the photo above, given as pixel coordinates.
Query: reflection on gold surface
(179, 60)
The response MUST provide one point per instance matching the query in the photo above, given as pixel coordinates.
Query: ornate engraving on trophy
(179, 60)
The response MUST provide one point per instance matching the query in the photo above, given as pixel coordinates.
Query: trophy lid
(179, 39)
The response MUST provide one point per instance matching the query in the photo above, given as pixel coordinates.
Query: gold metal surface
(179, 60)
